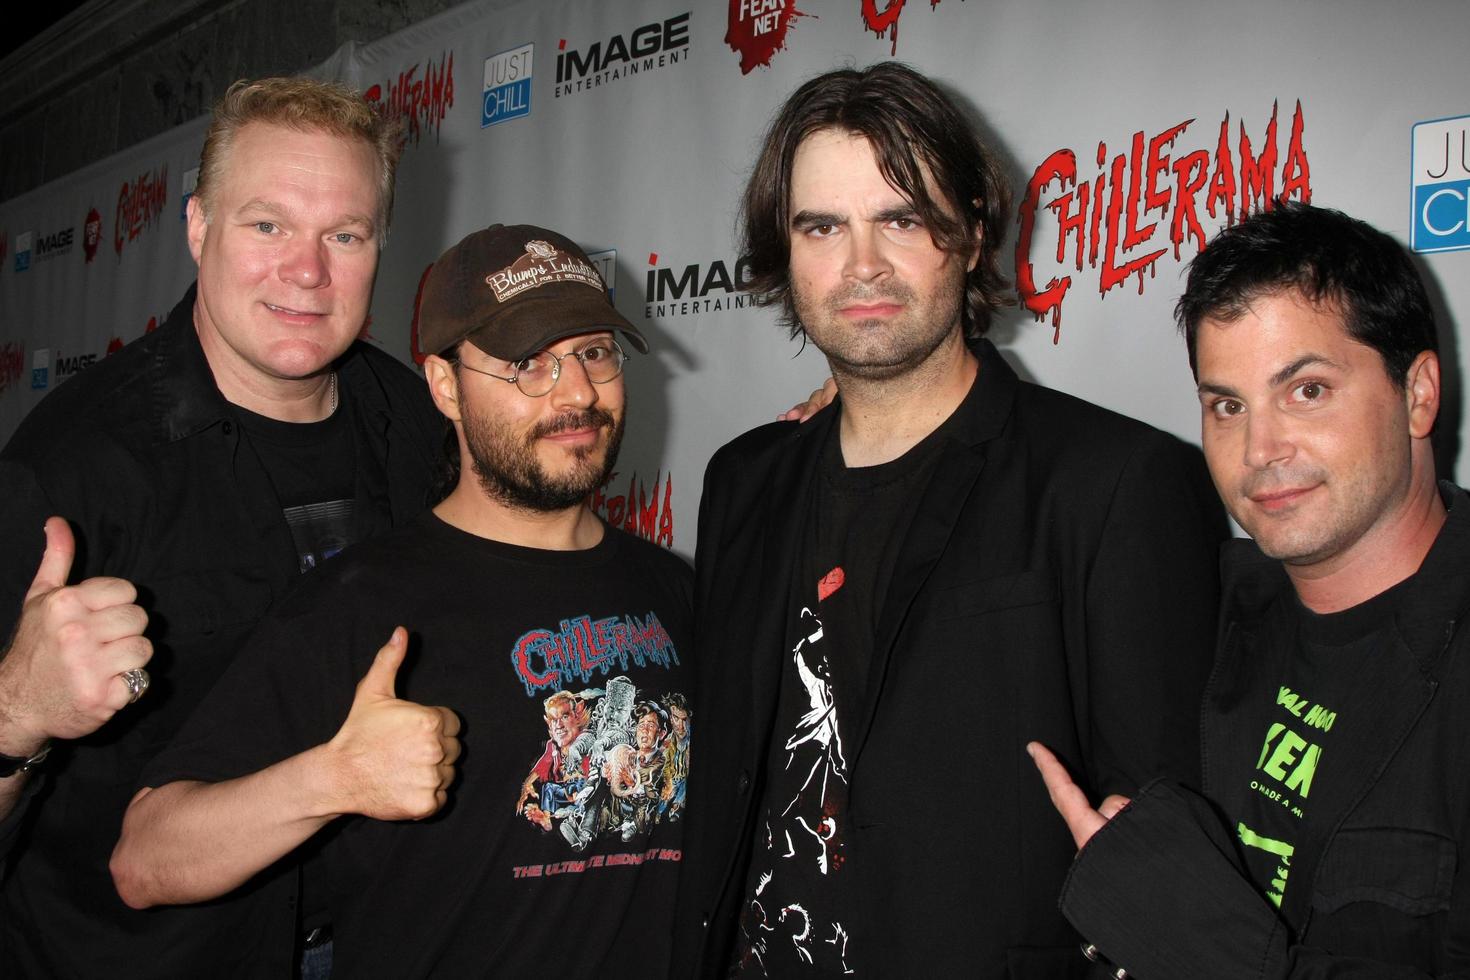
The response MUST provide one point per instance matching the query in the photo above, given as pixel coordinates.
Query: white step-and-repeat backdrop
(1132, 129)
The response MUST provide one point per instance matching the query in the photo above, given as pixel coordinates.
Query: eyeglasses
(538, 374)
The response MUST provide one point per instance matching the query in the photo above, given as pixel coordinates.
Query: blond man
(200, 470)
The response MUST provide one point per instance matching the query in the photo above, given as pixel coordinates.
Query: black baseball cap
(512, 290)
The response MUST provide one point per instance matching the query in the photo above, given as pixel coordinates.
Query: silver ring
(137, 682)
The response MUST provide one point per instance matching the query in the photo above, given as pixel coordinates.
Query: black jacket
(1379, 884)
(1058, 583)
(143, 456)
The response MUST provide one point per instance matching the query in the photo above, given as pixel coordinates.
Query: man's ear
(443, 382)
(198, 225)
(1421, 393)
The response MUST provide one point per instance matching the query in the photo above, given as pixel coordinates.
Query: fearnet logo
(421, 100)
(92, 233)
(1149, 195)
(757, 30)
(507, 85)
(644, 49)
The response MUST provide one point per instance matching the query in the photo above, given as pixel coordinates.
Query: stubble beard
(509, 471)
(1309, 538)
(880, 350)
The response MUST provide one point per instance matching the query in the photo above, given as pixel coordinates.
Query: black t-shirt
(312, 467)
(1302, 717)
(560, 845)
(796, 914)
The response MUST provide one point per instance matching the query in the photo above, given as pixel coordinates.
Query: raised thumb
(381, 676)
(56, 561)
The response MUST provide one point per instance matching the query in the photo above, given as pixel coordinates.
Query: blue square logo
(40, 367)
(507, 85)
(1441, 185)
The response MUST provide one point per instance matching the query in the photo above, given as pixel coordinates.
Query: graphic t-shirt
(1303, 719)
(560, 845)
(796, 912)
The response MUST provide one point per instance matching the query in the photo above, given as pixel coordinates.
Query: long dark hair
(912, 127)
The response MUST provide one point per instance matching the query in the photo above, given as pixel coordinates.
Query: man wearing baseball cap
(459, 840)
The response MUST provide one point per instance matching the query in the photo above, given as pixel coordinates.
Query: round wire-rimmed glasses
(538, 374)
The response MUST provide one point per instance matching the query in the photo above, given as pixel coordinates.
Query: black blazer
(1058, 583)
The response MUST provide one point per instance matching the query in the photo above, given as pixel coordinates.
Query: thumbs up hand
(61, 675)
(394, 760)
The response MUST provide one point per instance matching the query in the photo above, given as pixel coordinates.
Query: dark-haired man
(894, 597)
(207, 463)
(1333, 838)
(516, 592)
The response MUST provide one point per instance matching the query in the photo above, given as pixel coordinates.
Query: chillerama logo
(757, 30)
(1125, 205)
(649, 47)
(23, 251)
(579, 649)
(638, 511)
(12, 364)
(885, 21)
(421, 101)
(507, 85)
(91, 234)
(1441, 185)
(140, 202)
(701, 287)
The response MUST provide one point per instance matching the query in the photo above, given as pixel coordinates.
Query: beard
(509, 471)
(879, 350)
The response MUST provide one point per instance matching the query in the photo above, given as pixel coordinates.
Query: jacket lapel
(786, 518)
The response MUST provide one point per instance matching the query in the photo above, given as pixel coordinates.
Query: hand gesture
(395, 758)
(815, 402)
(1082, 820)
(61, 676)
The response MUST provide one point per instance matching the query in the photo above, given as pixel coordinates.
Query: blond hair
(307, 105)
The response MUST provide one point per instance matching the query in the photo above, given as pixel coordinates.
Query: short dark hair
(643, 708)
(1329, 258)
(910, 124)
